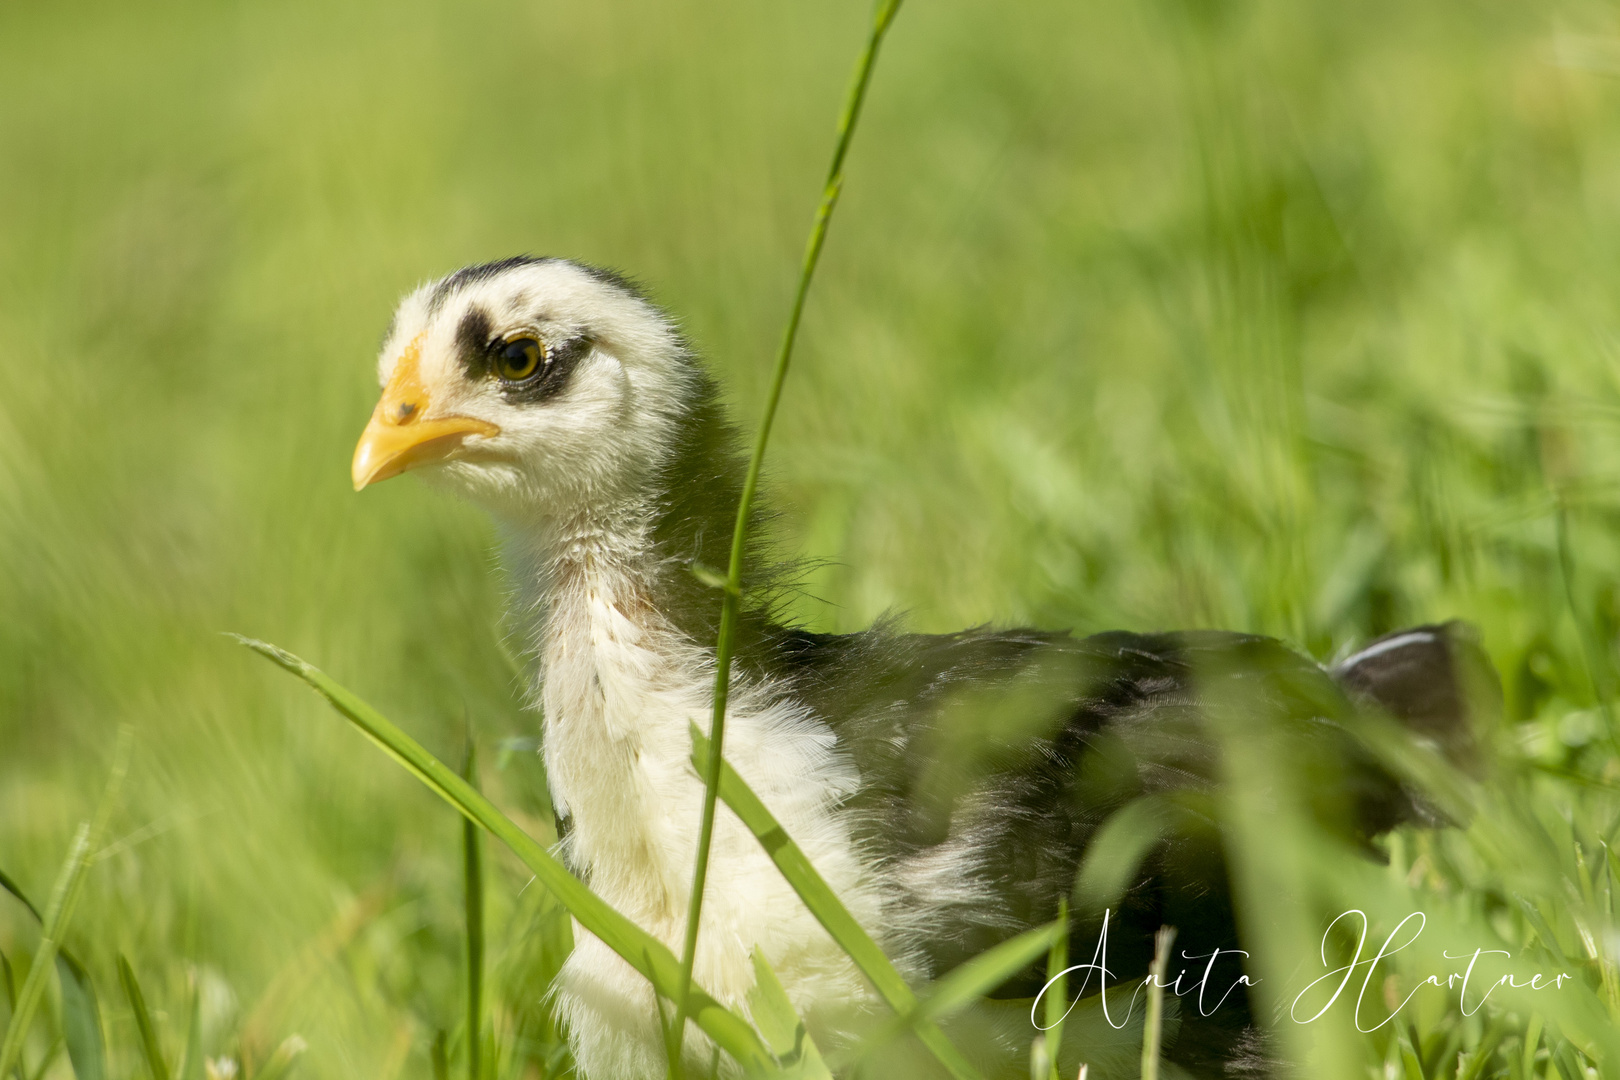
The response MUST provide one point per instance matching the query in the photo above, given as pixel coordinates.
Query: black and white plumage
(558, 397)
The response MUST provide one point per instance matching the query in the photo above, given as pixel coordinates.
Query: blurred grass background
(1294, 318)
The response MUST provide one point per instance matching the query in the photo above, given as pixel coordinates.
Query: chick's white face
(532, 386)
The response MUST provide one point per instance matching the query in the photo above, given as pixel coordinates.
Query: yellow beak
(399, 436)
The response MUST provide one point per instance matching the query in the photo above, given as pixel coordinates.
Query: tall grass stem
(473, 897)
(732, 593)
(1057, 989)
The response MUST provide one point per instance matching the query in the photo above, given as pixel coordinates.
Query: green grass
(1290, 318)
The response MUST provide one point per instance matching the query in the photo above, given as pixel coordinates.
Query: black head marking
(475, 334)
(472, 342)
(472, 275)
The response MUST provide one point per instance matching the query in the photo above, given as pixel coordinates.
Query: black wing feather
(1009, 749)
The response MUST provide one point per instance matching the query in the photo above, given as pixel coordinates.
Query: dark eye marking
(483, 355)
(551, 377)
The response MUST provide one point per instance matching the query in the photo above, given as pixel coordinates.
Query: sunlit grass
(1297, 320)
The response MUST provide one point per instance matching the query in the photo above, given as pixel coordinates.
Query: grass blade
(282, 1060)
(14, 889)
(1040, 1060)
(666, 1032)
(473, 897)
(731, 593)
(64, 898)
(1591, 651)
(150, 1047)
(81, 1019)
(1155, 1003)
(784, 1031)
(191, 1062)
(972, 980)
(11, 996)
(826, 907)
(81, 1014)
(641, 950)
(440, 1056)
(1532, 1044)
(1480, 1057)
(47, 1060)
(967, 983)
(1117, 850)
(1057, 990)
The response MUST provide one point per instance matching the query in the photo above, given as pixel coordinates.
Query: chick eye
(519, 358)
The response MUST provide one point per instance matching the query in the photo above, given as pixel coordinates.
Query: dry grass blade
(641, 950)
